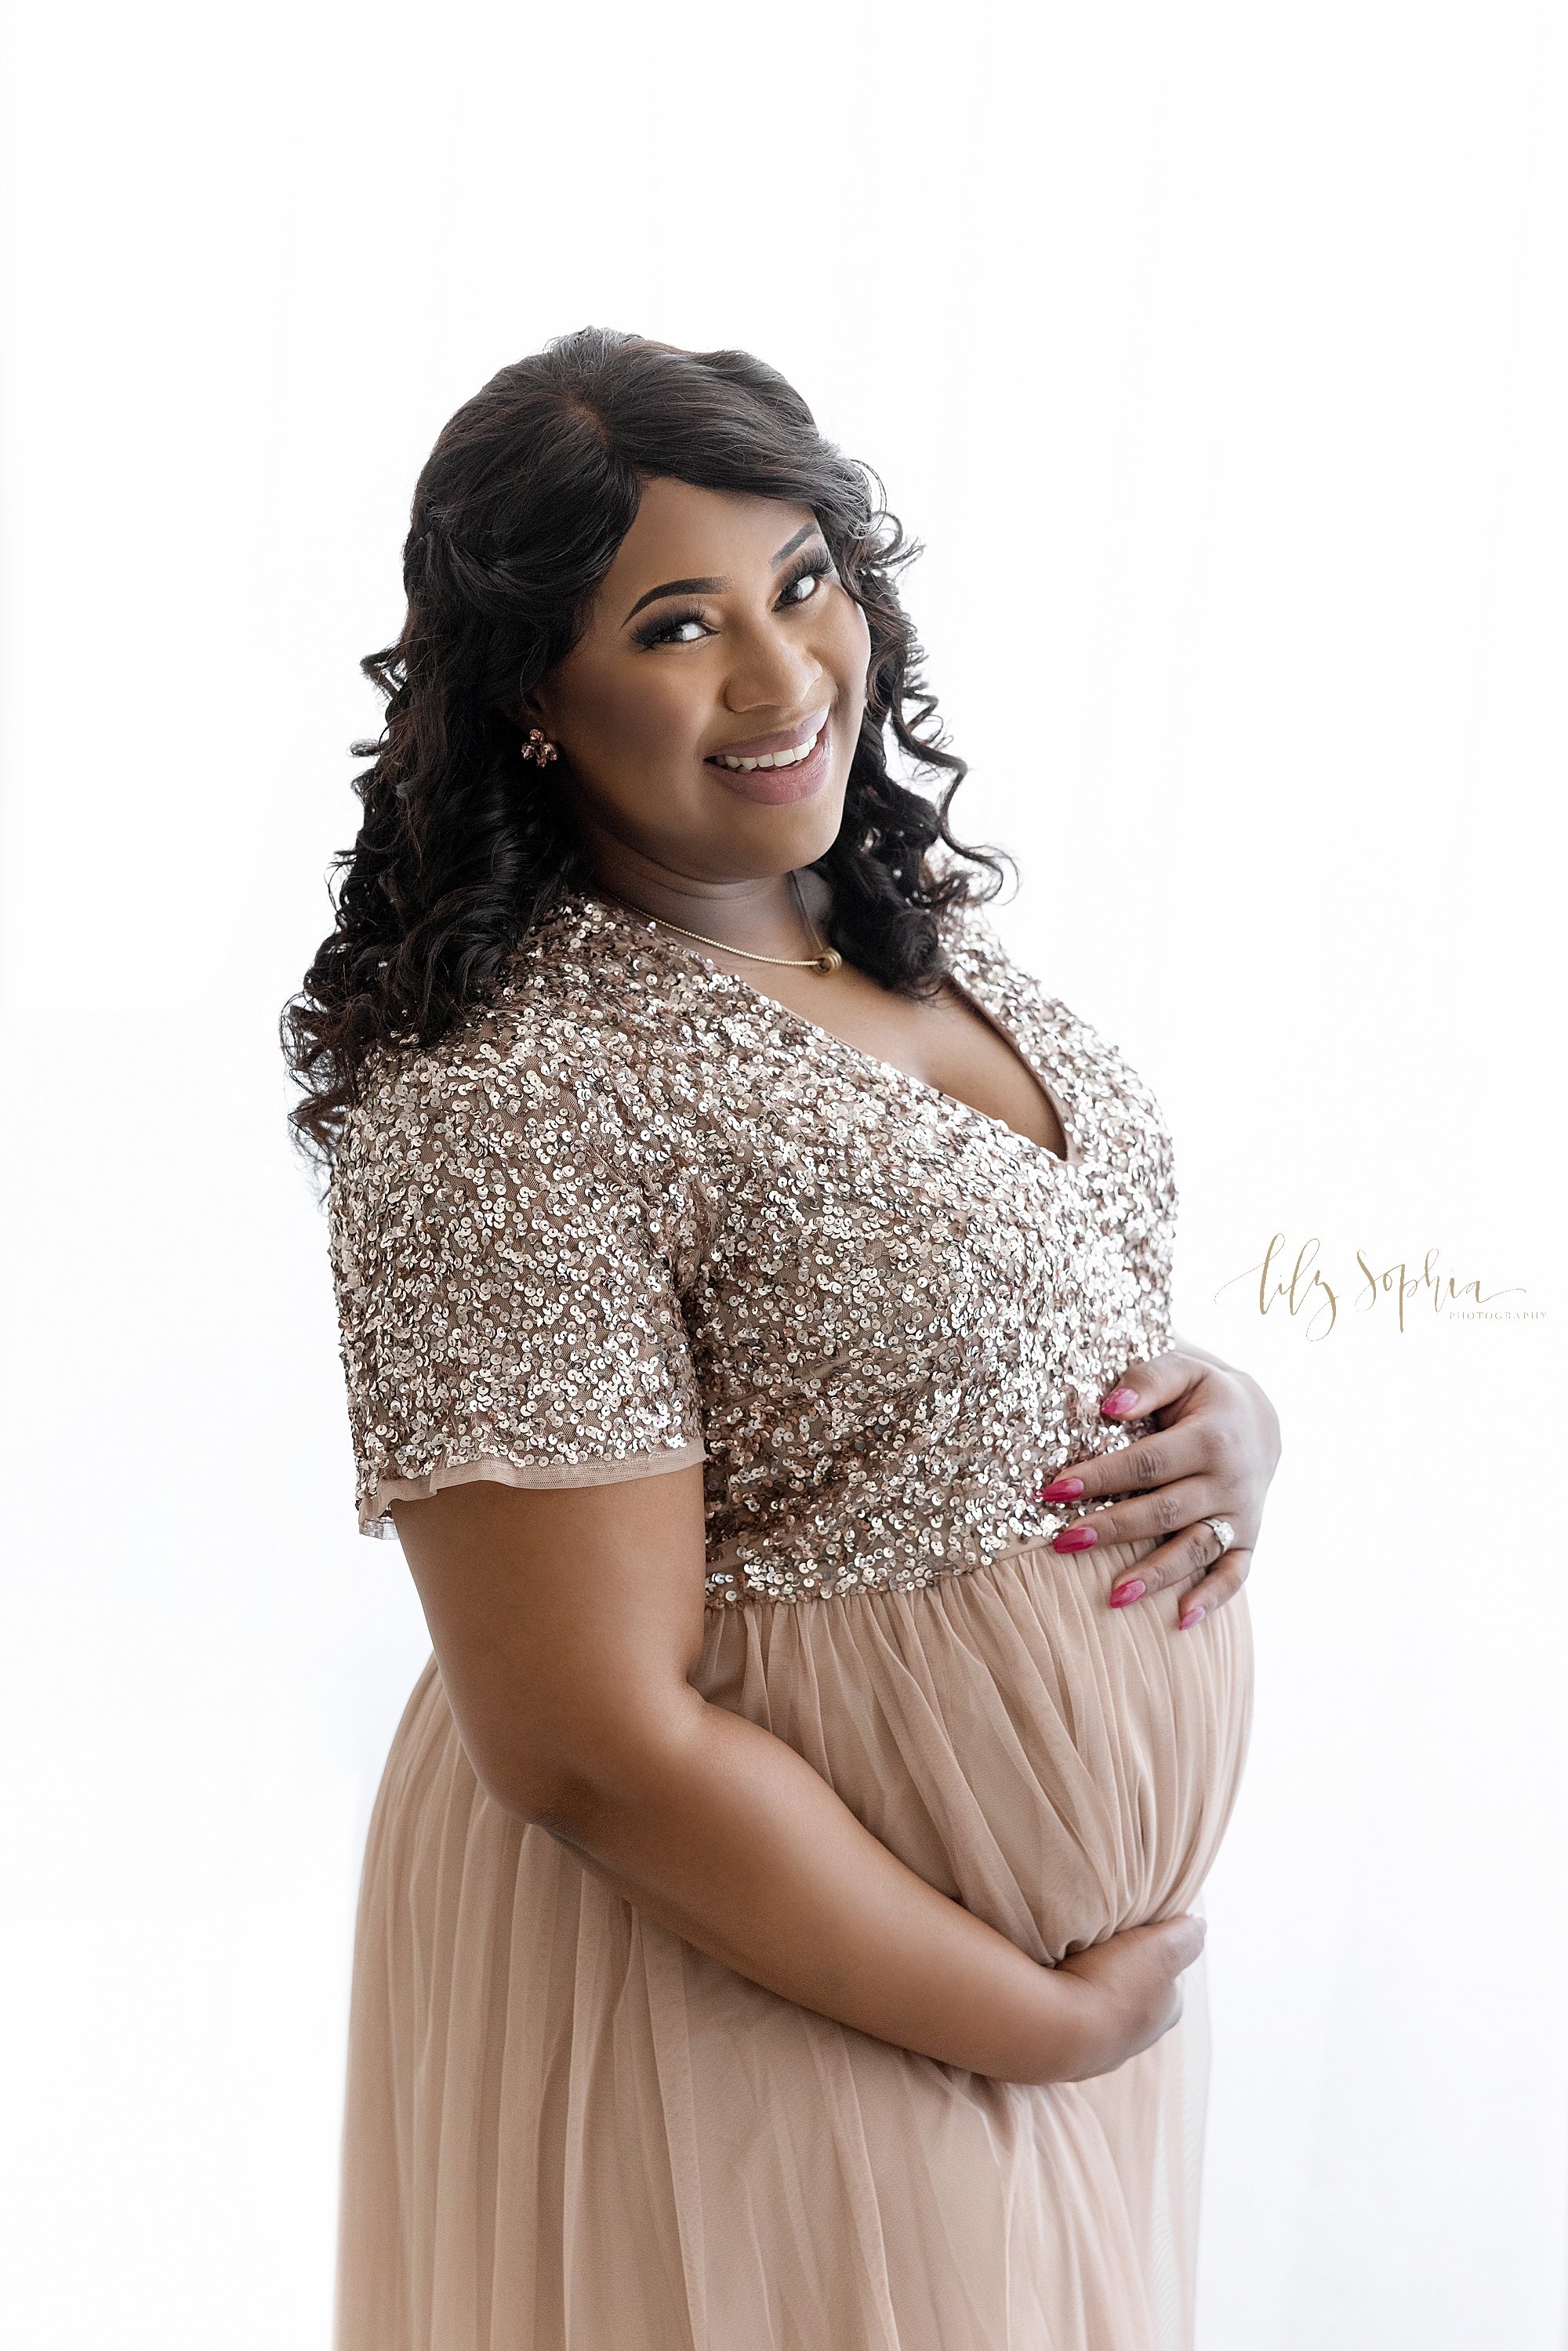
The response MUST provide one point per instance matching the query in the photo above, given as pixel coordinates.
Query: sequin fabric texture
(634, 1213)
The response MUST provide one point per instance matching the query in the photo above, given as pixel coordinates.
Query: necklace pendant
(829, 960)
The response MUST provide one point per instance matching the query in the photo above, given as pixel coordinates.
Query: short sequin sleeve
(507, 1290)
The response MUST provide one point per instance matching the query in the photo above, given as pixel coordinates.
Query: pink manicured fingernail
(1125, 1592)
(1074, 1539)
(1061, 1489)
(1193, 1616)
(1119, 1400)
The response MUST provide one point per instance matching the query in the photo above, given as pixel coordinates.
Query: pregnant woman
(753, 1294)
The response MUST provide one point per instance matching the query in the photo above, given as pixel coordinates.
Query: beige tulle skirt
(567, 2130)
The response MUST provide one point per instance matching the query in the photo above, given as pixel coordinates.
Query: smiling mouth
(790, 759)
(796, 771)
(787, 748)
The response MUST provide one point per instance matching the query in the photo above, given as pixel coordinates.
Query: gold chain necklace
(826, 959)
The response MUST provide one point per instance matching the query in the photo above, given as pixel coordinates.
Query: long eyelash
(815, 563)
(653, 632)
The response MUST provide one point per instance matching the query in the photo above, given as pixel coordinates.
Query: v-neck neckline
(1071, 1164)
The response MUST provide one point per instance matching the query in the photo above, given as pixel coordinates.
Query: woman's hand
(1212, 1452)
(1124, 1994)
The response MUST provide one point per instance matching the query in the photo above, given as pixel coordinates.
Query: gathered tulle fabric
(568, 2130)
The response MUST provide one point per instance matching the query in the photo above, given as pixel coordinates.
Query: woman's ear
(533, 711)
(538, 747)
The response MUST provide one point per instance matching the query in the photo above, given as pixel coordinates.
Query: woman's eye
(801, 590)
(680, 628)
(690, 628)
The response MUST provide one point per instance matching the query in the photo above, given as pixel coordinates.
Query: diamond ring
(1224, 1530)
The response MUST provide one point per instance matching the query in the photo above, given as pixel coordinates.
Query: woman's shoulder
(538, 1119)
(552, 1050)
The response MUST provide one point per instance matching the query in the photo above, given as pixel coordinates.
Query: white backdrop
(1217, 353)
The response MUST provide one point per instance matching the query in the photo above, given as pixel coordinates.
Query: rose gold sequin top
(634, 1213)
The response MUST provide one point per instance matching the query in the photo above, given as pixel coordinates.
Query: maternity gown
(633, 1215)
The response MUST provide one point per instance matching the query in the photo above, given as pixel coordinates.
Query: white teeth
(790, 758)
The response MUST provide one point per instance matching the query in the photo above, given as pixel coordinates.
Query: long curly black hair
(517, 517)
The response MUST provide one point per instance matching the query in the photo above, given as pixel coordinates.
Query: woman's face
(720, 635)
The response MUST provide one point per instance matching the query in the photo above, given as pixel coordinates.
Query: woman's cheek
(648, 729)
(853, 648)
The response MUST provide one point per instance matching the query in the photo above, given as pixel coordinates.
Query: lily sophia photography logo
(1320, 1295)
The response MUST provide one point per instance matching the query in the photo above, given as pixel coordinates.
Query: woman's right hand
(1124, 1993)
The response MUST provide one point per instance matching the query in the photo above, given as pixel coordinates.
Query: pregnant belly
(1062, 1768)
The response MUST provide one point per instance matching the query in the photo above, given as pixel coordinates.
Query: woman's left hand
(1210, 1455)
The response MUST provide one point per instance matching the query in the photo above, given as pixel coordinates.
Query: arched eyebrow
(716, 587)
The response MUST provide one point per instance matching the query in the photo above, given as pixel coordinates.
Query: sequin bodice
(634, 1213)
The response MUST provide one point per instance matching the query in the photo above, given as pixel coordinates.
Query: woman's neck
(759, 913)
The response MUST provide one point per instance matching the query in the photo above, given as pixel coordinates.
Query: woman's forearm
(724, 1834)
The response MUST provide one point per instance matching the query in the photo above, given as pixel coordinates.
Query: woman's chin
(775, 837)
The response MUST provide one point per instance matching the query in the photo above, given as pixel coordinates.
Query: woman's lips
(793, 778)
(765, 749)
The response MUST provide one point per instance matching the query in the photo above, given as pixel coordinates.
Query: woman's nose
(773, 670)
